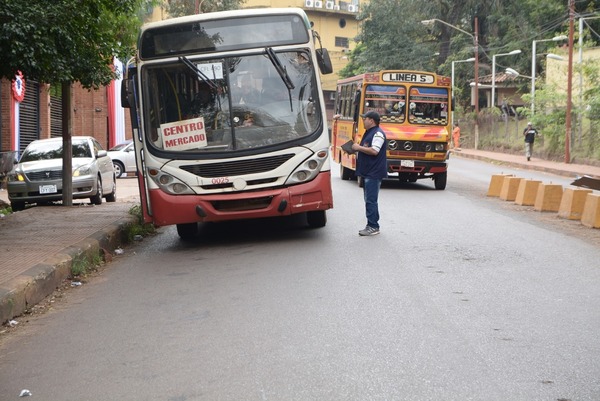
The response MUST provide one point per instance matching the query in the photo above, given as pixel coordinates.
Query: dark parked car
(37, 178)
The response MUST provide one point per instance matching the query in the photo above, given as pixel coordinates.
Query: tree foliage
(392, 35)
(66, 41)
(179, 8)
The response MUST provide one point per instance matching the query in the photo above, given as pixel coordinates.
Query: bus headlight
(309, 168)
(169, 184)
(440, 147)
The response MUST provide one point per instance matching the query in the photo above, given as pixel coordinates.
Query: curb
(545, 169)
(35, 284)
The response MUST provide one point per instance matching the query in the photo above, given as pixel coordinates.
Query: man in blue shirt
(371, 167)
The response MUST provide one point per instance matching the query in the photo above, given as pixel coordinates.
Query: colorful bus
(228, 118)
(415, 115)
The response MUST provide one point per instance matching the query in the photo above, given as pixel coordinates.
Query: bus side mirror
(324, 61)
(126, 94)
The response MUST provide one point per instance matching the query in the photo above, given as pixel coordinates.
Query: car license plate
(407, 163)
(48, 189)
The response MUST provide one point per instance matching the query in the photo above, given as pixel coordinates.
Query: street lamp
(494, 72)
(475, 37)
(452, 84)
(554, 39)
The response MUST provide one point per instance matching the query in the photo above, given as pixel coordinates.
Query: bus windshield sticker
(184, 135)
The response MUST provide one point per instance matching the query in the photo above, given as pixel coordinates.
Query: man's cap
(529, 123)
(372, 114)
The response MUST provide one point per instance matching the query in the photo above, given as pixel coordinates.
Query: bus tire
(187, 231)
(440, 180)
(316, 218)
(360, 181)
(346, 173)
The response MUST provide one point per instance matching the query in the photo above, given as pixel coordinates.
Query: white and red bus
(228, 118)
(415, 114)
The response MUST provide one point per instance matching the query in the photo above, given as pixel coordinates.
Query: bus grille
(238, 167)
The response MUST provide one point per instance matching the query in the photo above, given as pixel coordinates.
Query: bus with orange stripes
(415, 114)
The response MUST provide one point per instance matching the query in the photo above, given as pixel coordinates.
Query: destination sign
(407, 77)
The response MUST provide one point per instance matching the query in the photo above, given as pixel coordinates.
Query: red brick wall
(89, 114)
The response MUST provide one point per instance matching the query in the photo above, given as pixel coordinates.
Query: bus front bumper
(171, 209)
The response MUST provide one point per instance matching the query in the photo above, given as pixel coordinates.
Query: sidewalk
(519, 161)
(37, 245)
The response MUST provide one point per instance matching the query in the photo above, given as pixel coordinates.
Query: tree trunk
(67, 131)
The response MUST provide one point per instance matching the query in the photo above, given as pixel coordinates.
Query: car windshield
(53, 150)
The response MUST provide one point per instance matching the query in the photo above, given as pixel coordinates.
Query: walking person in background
(456, 137)
(371, 166)
(529, 133)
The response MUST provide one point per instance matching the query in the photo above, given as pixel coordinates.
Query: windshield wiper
(281, 70)
(199, 73)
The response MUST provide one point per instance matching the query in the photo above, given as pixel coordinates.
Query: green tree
(65, 41)
(179, 8)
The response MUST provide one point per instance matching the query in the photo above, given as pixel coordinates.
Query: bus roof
(228, 14)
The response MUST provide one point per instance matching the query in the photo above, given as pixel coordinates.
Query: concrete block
(571, 205)
(510, 186)
(496, 184)
(591, 211)
(548, 197)
(527, 192)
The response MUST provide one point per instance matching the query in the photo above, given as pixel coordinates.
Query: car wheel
(119, 168)
(17, 206)
(97, 199)
(112, 197)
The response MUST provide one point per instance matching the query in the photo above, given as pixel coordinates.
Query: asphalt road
(462, 297)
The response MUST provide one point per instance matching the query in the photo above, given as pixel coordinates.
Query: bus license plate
(407, 163)
(48, 189)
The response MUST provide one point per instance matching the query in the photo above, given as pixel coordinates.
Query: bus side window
(356, 103)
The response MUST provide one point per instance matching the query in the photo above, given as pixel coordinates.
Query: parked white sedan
(123, 157)
(37, 178)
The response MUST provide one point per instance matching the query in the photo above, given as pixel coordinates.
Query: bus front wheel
(187, 231)
(440, 180)
(316, 219)
(346, 173)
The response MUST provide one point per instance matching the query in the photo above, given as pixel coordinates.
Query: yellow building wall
(329, 23)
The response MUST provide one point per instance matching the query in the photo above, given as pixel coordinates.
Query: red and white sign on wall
(183, 135)
(18, 87)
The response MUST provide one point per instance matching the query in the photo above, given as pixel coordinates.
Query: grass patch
(139, 227)
(83, 264)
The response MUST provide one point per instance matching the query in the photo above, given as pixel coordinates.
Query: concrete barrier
(591, 211)
(510, 186)
(527, 192)
(572, 203)
(548, 197)
(496, 184)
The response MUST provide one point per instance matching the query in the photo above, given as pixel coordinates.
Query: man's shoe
(528, 158)
(367, 231)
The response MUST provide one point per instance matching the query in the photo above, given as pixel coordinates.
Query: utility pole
(476, 40)
(569, 84)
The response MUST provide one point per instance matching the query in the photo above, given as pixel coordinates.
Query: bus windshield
(232, 103)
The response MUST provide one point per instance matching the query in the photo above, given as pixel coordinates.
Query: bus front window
(389, 101)
(428, 106)
(231, 104)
